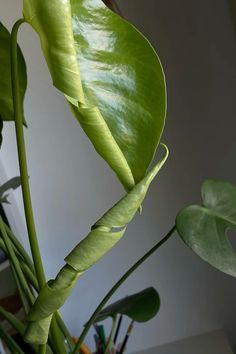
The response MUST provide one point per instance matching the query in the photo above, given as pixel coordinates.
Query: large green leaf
(204, 228)
(105, 233)
(140, 307)
(111, 75)
(6, 103)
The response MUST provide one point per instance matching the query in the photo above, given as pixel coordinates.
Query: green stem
(110, 339)
(16, 265)
(57, 336)
(9, 341)
(42, 349)
(65, 331)
(13, 320)
(19, 247)
(117, 285)
(29, 273)
(18, 114)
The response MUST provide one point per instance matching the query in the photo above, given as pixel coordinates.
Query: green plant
(114, 85)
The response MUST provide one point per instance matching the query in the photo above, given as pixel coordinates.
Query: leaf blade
(204, 228)
(140, 307)
(122, 75)
(6, 101)
(112, 67)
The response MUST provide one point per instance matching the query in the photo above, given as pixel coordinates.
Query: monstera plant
(114, 85)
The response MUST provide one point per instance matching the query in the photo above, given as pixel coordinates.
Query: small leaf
(6, 102)
(106, 232)
(13, 183)
(204, 228)
(140, 307)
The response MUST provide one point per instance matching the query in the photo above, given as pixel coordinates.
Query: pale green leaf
(52, 20)
(204, 228)
(105, 233)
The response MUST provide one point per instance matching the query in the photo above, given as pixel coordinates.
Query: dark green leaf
(204, 228)
(111, 75)
(140, 307)
(6, 103)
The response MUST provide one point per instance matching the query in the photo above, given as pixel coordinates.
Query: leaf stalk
(117, 285)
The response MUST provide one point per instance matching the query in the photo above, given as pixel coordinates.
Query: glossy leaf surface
(140, 307)
(97, 58)
(105, 233)
(204, 228)
(6, 102)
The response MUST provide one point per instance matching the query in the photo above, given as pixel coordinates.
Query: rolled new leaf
(106, 232)
(111, 75)
(6, 102)
(140, 307)
(204, 228)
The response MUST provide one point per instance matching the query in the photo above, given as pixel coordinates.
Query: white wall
(71, 186)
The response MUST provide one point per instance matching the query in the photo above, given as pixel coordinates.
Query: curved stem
(18, 112)
(117, 285)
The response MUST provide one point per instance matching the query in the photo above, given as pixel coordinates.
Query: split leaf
(140, 307)
(204, 228)
(6, 102)
(106, 232)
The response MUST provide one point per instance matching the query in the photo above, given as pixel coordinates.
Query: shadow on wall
(232, 12)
